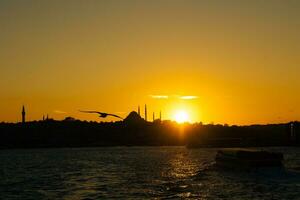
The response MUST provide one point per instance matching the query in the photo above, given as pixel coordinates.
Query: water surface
(140, 173)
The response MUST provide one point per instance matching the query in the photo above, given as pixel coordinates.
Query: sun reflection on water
(182, 166)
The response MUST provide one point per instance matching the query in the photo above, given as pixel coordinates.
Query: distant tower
(23, 114)
(293, 133)
(145, 112)
(47, 118)
(43, 117)
(160, 115)
(153, 116)
(139, 111)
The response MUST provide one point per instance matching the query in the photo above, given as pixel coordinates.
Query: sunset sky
(233, 61)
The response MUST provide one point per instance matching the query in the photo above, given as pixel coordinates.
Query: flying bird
(101, 114)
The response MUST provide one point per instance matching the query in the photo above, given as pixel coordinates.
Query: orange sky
(238, 59)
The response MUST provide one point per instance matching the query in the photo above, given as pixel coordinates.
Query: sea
(141, 173)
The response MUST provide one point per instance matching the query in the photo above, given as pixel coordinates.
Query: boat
(248, 158)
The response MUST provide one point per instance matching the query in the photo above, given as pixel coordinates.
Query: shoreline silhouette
(135, 131)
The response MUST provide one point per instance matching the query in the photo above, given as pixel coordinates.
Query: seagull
(101, 114)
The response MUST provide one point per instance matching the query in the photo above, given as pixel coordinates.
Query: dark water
(140, 173)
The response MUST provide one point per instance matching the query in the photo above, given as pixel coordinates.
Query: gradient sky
(237, 60)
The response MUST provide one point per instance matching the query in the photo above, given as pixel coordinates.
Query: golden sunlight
(181, 116)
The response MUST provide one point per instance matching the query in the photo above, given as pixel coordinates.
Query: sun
(181, 116)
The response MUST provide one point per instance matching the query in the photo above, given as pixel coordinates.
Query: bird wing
(101, 113)
(90, 111)
(114, 115)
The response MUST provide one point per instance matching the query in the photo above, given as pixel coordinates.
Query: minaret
(139, 111)
(43, 117)
(23, 114)
(153, 116)
(160, 115)
(145, 112)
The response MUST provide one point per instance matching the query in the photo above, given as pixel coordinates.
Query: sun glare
(181, 116)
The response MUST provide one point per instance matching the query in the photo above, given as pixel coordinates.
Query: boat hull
(248, 159)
